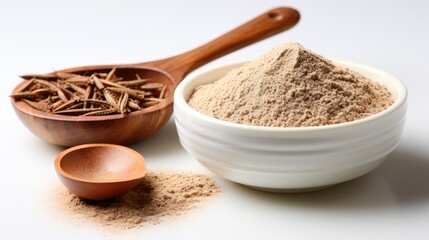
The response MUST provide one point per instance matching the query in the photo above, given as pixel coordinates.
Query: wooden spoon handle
(261, 27)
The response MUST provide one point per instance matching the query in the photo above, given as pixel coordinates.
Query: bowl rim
(60, 156)
(179, 101)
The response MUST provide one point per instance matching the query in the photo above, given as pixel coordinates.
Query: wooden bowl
(100, 171)
(120, 129)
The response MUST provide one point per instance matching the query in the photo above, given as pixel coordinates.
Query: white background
(392, 202)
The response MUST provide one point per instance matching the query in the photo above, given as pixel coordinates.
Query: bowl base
(292, 190)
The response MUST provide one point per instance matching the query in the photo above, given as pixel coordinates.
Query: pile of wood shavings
(93, 95)
(161, 194)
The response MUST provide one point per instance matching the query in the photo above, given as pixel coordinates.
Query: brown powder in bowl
(160, 194)
(291, 86)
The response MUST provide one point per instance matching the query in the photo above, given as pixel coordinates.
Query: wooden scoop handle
(263, 26)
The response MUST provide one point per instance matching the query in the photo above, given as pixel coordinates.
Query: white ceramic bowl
(290, 159)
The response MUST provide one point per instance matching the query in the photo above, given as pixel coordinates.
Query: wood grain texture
(100, 171)
(135, 126)
(266, 25)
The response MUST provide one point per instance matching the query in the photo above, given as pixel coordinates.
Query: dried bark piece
(65, 105)
(133, 105)
(110, 75)
(77, 88)
(79, 80)
(123, 103)
(162, 93)
(107, 95)
(133, 83)
(25, 95)
(101, 112)
(152, 86)
(133, 93)
(27, 85)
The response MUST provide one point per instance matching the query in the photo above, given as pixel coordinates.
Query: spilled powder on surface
(161, 194)
(290, 86)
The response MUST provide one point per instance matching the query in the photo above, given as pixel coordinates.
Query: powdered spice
(160, 194)
(291, 86)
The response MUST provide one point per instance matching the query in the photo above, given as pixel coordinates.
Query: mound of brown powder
(291, 86)
(160, 194)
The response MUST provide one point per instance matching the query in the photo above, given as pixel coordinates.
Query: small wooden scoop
(100, 171)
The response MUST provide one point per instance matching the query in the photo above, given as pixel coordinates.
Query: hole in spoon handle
(277, 14)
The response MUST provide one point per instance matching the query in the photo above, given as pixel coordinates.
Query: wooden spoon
(127, 128)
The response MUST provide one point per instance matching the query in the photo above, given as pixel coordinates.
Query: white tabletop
(391, 202)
